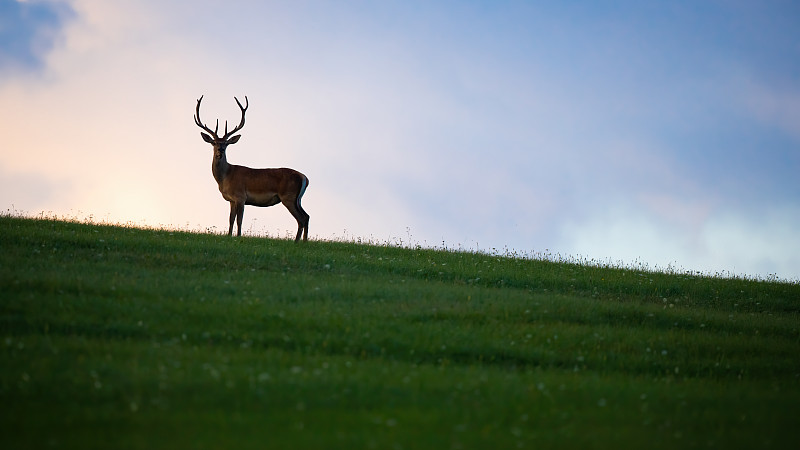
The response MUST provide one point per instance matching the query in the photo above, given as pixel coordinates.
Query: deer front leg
(237, 212)
(239, 216)
(232, 218)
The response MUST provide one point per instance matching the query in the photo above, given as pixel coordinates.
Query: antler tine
(199, 123)
(246, 103)
(241, 124)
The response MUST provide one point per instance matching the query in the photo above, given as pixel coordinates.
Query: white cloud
(777, 106)
(726, 242)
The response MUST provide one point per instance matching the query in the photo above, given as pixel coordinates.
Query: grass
(118, 337)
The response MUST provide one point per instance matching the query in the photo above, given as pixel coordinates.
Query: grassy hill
(114, 337)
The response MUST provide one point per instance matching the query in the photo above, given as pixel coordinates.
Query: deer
(242, 185)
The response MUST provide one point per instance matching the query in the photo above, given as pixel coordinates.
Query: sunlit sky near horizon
(664, 132)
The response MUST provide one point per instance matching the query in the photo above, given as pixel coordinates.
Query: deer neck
(220, 168)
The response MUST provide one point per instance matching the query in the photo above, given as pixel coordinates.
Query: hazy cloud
(28, 30)
(724, 242)
(32, 192)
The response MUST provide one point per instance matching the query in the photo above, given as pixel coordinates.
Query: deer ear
(207, 138)
(234, 139)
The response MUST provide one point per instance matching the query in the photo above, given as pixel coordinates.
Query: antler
(201, 125)
(241, 124)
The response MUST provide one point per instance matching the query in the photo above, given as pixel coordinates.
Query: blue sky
(659, 132)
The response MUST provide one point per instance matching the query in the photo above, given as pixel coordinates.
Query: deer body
(242, 185)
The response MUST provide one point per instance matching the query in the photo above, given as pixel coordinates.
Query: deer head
(220, 143)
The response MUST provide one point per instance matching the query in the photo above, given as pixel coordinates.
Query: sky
(663, 133)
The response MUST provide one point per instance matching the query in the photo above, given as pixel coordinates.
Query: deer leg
(305, 222)
(232, 218)
(293, 205)
(237, 212)
(239, 216)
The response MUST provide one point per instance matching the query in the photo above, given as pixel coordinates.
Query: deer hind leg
(293, 205)
(302, 223)
(303, 212)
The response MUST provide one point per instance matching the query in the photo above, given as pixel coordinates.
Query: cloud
(32, 192)
(28, 31)
(723, 242)
(775, 106)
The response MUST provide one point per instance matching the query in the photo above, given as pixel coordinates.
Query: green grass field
(115, 337)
